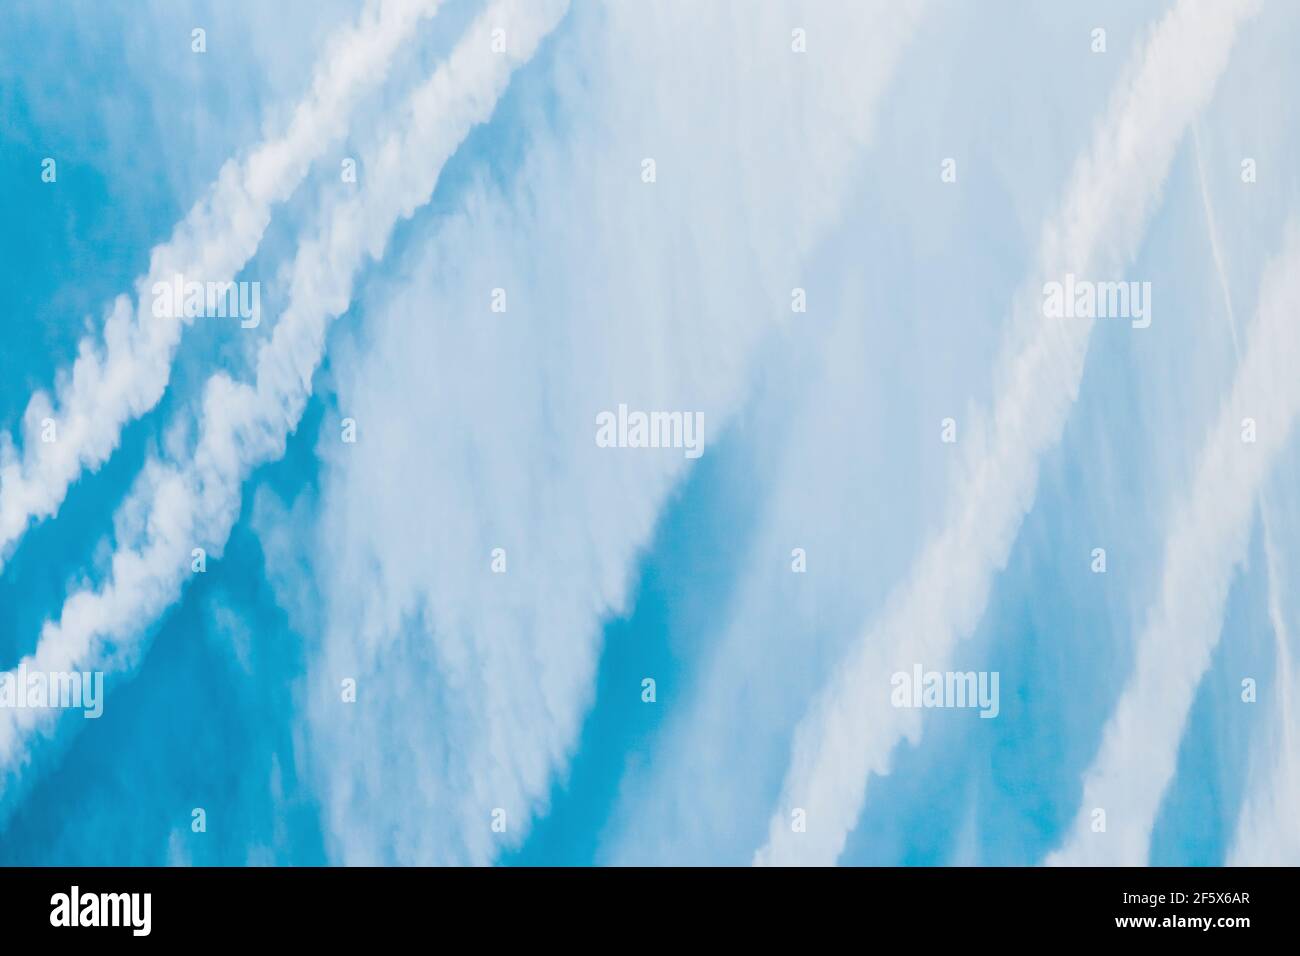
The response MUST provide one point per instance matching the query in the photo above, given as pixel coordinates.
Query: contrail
(851, 728)
(1208, 542)
(1265, 799)
(1209, 536)
(1268, 830)
(194, 503)
(109, 386)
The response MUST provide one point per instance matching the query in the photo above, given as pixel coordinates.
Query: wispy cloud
(660, 295)
(114, 382)
(623, 206)
(1208, 539)
(851, 729)
(845, 420)
(1268, 829)
(193, 501)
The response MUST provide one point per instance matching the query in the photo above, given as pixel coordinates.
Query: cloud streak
(194, 501)
(1210, 533)
(110, 385)
(851, 729)
(1268, 831)
(661, 296)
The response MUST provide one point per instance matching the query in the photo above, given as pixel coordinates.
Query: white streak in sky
(1208, 539)
(665, 296)
(1268, 829)
(851, 728)
(110, 386)
(177, 506)
(1207, 544)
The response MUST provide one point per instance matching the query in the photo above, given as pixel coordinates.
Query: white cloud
(1208, 538)
(837, 452)
(849, 732)
(1268, 828)
(176, 506)
(476, 430)
(112, 384)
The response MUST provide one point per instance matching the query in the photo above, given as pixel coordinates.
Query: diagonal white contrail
(109, 386)
(1137, 760)
(1266, 830)
(851, 728)
(1210, 532)
(195, 502)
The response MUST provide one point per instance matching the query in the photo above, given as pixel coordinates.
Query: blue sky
(516, 698)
